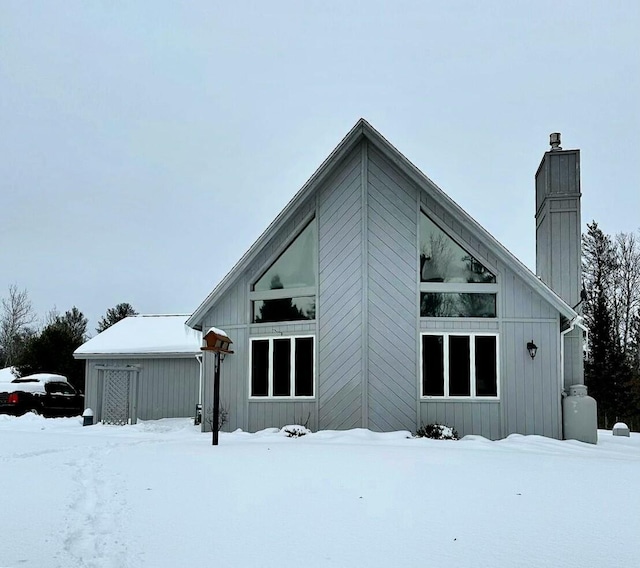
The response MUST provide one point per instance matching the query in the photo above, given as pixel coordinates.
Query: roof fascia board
(146, 355)
(345, 146)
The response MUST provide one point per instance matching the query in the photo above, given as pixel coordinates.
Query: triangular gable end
(363, 130)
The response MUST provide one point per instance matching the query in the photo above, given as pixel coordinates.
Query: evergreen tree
(75, 322)
(280, 309)
(51, 351)
(114, 315)
(608, 372)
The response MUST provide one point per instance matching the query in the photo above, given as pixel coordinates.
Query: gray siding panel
(478, 417)
(165, 387)
(278, 414)
(520, 301)
(392, 296)
(340, 298)
(530, 388)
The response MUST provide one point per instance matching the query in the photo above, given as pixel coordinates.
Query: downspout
(575, 322)
(199, 359)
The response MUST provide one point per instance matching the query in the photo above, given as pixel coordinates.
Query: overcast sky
(144, 146)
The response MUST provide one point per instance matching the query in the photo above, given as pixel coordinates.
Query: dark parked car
(49, 395)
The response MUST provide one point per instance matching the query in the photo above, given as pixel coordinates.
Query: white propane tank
(580, 416)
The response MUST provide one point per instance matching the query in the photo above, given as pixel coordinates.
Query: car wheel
(35, 411)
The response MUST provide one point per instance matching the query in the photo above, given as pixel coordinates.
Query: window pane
(486, 367)
(444, 260)
(304, 366)
(457, 305)
(281, 367)
(295, 267)
(432, 365)
(260, 368)
(284, 309)
(459, 369)
(58, 388)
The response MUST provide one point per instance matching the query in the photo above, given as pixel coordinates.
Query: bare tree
(16, 315)
(627, 294)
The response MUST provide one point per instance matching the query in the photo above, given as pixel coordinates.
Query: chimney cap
(554, 140)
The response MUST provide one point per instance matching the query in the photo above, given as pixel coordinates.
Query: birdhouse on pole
(217, 341)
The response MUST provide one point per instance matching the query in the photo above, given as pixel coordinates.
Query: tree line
(47, 348)
(611, 272)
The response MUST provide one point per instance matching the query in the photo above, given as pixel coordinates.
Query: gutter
(575, 322)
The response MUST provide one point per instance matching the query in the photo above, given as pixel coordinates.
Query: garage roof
(144, 335)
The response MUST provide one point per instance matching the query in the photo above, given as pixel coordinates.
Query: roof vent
(554, 140)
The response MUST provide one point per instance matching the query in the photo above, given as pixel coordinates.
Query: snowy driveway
(158, 495)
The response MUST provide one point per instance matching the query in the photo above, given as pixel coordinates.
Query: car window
(60, 388)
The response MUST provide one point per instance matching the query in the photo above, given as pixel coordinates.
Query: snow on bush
(437, 432)
(295, 431)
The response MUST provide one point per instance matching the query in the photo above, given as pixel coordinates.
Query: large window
(282, 367)
(453, 283)
(286, 291)
(456, 365)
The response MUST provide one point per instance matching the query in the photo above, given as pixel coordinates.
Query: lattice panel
(115, 398)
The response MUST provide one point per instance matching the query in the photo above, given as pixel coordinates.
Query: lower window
(460, 365)
(282, 367)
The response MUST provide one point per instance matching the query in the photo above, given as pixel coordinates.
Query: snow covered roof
(144, 335)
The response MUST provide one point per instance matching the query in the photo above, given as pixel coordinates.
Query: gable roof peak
(363, 129)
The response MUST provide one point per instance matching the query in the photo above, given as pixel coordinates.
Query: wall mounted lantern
(217, 341)
(532, 348)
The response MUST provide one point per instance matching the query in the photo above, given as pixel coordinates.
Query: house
(143, 367)
(375, 301)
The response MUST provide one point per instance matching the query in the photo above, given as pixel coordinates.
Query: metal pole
(216, 400)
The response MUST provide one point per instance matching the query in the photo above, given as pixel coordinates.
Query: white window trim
(292, 386)
(472, 371)
(283, 293)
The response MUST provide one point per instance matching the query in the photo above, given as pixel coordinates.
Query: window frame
(472, 367)
(292, 383)
(456, 287)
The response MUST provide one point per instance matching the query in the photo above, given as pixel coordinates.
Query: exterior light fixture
(532, 348)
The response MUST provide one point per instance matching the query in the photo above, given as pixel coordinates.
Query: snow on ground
(157, 494)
